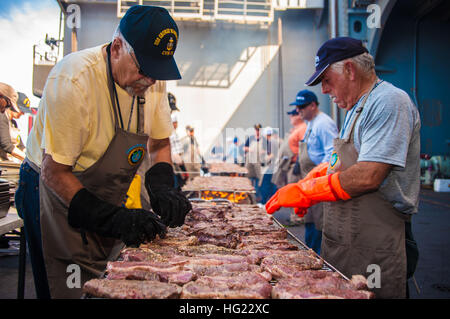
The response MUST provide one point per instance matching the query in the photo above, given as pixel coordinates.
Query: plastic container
(442, 185)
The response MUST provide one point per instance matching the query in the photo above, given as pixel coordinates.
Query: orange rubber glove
(306, 193)
(318, 171)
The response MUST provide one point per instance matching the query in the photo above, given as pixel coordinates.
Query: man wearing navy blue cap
(314, 149)
(284, 172)
(372, 182)
(303, 98)
(100, 136)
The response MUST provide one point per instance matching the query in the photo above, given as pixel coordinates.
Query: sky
(24, 23)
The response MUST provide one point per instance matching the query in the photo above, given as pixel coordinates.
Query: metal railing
(237, 11)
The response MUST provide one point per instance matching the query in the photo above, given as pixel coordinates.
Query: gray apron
(109, 179)
(291, 177)
(366, 230)
(315, 213)
(253, 159)
(283, 170)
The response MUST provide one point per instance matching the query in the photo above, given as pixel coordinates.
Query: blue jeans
(267, 189)
(27, 204)
(313, 237)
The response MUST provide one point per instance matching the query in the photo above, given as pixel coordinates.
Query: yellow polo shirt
(75, 122)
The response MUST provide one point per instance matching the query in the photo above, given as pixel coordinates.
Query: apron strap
(359, 111)
(111, 87)
(115, 101)
(140, 114)
(131, 113)
(305, 138)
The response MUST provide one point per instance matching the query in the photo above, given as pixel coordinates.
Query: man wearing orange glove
(285, 171)
(373, 182)
(314, 148)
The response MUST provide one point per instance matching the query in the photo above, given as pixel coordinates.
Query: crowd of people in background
(271, 161)
(256, 151)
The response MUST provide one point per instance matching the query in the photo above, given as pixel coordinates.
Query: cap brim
(25, 109)
(315, 78)
(159, 68)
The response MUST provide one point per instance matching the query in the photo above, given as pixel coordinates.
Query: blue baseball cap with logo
(153, 35)
(332, 51)
(304, 98)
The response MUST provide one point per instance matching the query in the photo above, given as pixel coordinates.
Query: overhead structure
(235, 11)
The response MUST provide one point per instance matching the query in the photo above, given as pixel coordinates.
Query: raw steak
(289, 264)
(164, 272)
(321, 285)
(131, 289)
(245, 285)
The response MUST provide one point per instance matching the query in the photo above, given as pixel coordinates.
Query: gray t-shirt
(388, 131)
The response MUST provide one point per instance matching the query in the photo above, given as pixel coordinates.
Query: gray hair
(364, 62)
(119, 35)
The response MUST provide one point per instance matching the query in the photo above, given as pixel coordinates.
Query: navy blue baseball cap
(153, 35)
(332, 51)
(293, 112)
(304, 98)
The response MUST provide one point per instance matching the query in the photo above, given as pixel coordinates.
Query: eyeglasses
(136, 63)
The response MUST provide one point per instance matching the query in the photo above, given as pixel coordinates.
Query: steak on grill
(149, 271)
(244, 285)
(131, 289)
(321, 284)
(289, 264)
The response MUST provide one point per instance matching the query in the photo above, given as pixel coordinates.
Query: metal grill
(326, 265)
(236, 196)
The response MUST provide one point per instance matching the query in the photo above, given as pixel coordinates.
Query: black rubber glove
(167, 201)
(132, 226)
